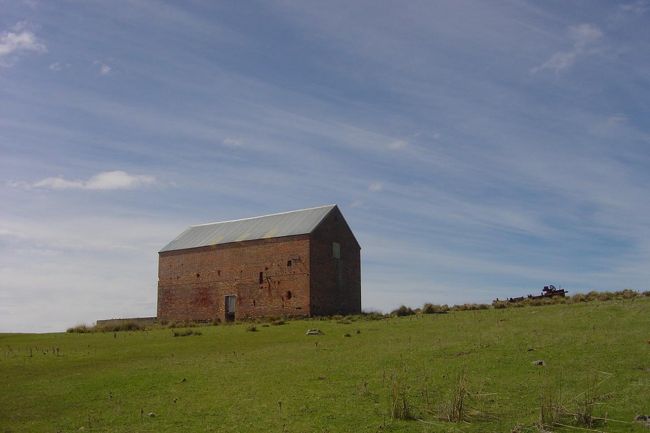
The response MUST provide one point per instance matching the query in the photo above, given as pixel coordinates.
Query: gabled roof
(296, 222)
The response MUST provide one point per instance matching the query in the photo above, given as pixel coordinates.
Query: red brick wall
(335, 283)
(192, 284)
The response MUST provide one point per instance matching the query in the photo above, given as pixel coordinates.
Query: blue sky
(477, 149)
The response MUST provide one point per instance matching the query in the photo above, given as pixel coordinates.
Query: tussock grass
(399, 406)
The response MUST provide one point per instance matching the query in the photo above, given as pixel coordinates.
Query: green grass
(279, 380)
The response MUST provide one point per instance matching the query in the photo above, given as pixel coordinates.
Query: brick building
(300, 263)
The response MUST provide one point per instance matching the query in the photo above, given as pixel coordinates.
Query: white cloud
(616, 119)
(106, 180)
(375, 187)
(638, 7)
(583, 36)
(104, 69)
(397, 144)
(18, 40)
(234, 142)
(58, 66)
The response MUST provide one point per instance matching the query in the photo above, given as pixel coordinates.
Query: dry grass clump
(400, 407)
(455, 410)
(580, 411)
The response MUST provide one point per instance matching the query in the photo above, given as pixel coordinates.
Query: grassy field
(596, 360)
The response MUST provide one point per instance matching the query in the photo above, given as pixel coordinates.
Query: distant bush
(373, 315)
(539, 302)
(470, 307)
(79, 329)
(251, 328)
(499, 304)
(434, 309)
(119, 327)
(125, 326)
(403, 311)
(579, 297)
(628, 294)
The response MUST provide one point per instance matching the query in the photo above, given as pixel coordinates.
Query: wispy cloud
(638, 7)
(397, 144)
(58, 66)
(104, 68)
(375, 187)
(232, 141)
(18, 40)
(584, 37)
(106, 180)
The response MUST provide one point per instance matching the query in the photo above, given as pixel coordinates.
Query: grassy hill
(476, 365)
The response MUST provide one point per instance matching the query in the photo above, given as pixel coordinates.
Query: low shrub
(627, 294)
(403, 311)
(251, 328)
(125, 326)
(579, 297)
(470, 307)
(79, 329)
(434, 309)
(373, 315)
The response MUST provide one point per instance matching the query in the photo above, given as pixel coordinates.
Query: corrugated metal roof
(296, 222)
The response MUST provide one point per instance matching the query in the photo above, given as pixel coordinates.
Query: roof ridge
(263, 216)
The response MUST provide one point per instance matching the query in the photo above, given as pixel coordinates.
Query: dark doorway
(231, 307)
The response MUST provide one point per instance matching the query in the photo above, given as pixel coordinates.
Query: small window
(288, 263)
(219, 273)
(261, 277)
(198, 275)
(289, 295)
(336, 250)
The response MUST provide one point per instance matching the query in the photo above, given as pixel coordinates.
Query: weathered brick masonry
(315, 273)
